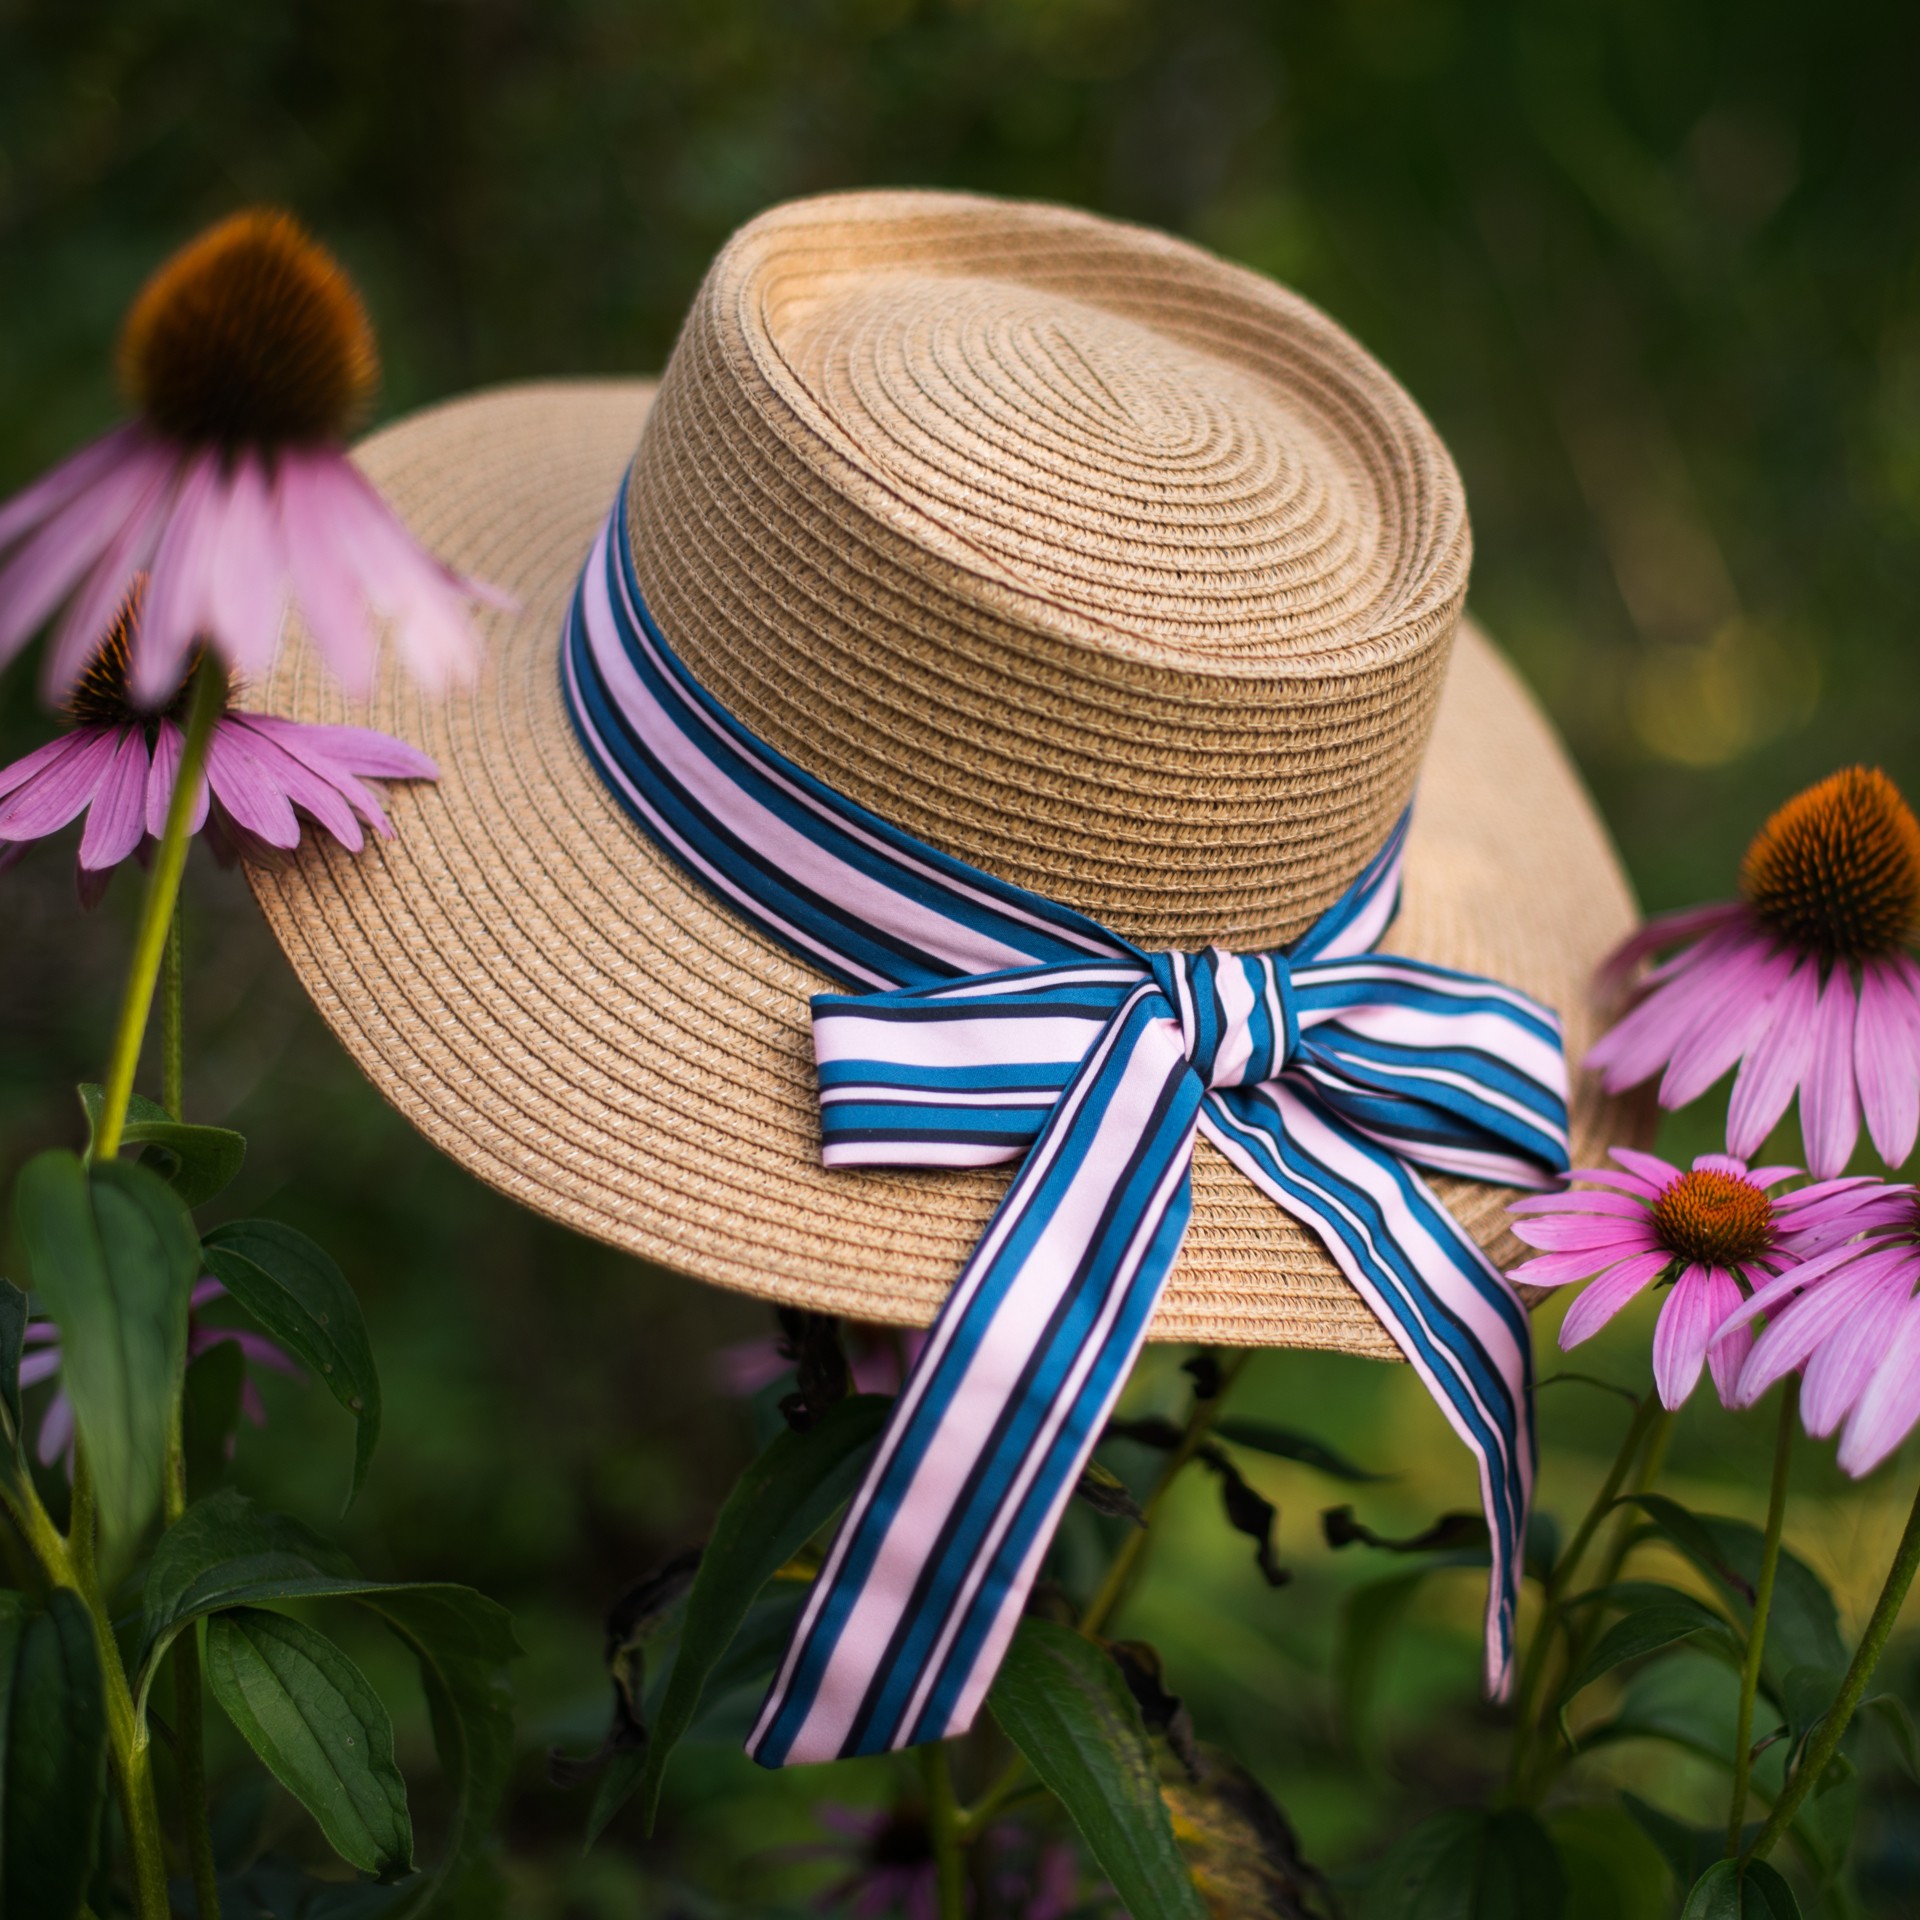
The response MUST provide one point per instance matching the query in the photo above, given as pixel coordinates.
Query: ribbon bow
(993, 1025)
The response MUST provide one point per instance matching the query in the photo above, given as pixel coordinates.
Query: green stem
(1762, 1607)
(975, 1820)
(1126, 1563)
(172, 1045)
(1547, 1626)
(205, 700)
(1828, 1734)
(943, 1823)
(126, 1737)
(188, 1717)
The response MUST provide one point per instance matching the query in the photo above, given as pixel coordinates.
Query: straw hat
(1106, 566)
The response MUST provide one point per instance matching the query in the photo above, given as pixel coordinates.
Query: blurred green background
(1653, 269)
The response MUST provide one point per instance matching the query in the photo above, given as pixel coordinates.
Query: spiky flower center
(1714, 1219)
(1837, 869)
(250, 336)
(101, 697)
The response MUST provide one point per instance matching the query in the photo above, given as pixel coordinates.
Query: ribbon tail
(1449, 1309)
(912, 1612)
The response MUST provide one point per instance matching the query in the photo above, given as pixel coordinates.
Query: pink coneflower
(1851, 1321)
(41, 1361)
(1715, 1232)
(1806, 981)
(249, 358)
(117, 762)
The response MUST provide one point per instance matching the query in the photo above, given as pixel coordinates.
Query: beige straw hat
(1111, 568)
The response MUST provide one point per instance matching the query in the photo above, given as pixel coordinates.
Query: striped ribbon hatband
(986, 1024)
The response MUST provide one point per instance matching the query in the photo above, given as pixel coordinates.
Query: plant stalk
(126, 1737)
(1533, 1671)
(1126, 1562)
(943, 1823)
(1828, 1734)
(189, 1720)
(205, 700)
(172, 1006)
(1762, 1607)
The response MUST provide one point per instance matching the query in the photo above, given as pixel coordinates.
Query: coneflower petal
(58, 554)
(331, 750)
(29, 764)
(91, 611)
(61, 790)
(116, 820)
(1688, 1317)
(1842, 1367)
(249, 586)
(1663, 930)
(326, 590)
(179, 606)
(1771, 1074)
(1598, 1303)
(168, 745)
(1890, 1403)
(1829, 1104)
(301, 785)
(241, 785)
(1886, 1058)
(1737, 1021)
(60, 486)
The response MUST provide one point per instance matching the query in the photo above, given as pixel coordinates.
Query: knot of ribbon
(986, 1025)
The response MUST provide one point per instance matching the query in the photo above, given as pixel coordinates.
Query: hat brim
(550, 1002)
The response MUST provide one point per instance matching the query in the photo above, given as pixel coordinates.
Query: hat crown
(1110, 568)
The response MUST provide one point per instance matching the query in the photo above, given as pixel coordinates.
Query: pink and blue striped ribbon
(985, 1025)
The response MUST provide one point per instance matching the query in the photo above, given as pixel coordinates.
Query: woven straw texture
(1102, 564)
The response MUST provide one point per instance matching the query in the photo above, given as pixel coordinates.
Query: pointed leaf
(1662, 1620)
(226, 1552)
(1689, 1851)
(298, 1294)
(53, 1734)
(789, 1493)
(196, 1162)
(462, 1642)
(1065, 1705)
(112, 1253)
(1729, 1891)
(309, 1713)
(1470, 1865)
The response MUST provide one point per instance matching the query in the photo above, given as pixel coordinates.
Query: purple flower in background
(40, 1361)
(1851, 1321)
(1714, 1231)
(1806, 982)
(117, 764)
(249, 358)
(892, 1873)
(878, 1359)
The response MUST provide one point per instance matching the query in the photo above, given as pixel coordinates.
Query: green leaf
(1613, 1871)
(53, 1736)
(788, 1494)
(1369, 1620)
(299, 1295)
(114, 1257)
(1689, 1851)
(13, 1328)
(1283, 1443)
(1470, 1865)
(1891, 1711)
(1728, 1891)
(1692, 1535)
(462, 1642)
(196, 1162)
(1803, 1625)
(309, 1713)
(1662, 1617)
(226, 1552)
(210, 1411)
(1065, 1705)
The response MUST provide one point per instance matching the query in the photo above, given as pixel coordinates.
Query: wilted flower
(248, 357)
(41, 1361)
(116, 764)
(1851, 1321)
(1715, 1232)
(1806, 981)
(877, 1359)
